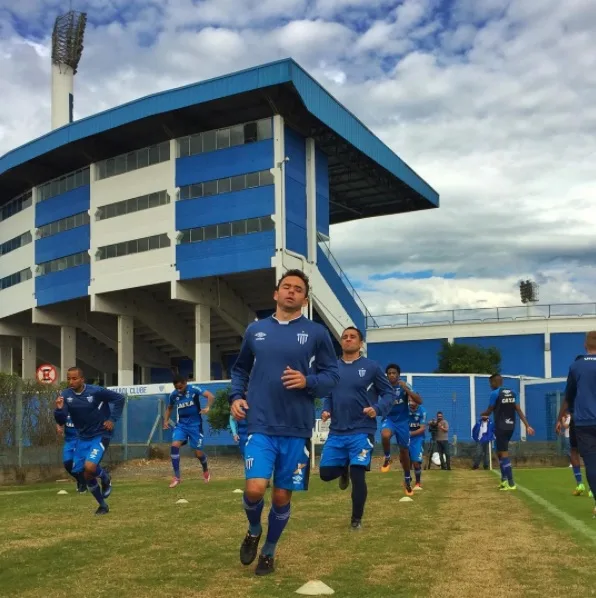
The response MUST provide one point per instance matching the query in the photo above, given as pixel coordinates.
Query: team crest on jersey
(260, 336)
(69, 399)
(90, 399)
(302, 337)
(361, 373)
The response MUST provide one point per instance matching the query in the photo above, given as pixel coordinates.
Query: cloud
(492, 102)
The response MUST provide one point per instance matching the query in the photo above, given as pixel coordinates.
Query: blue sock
(503, 474)
(418, 473)
(590, 466)
(102, 474)
(507, 470)
(577, 472)
(253, 514)
(408, 477)
(96, 491)
(175, 456)
(203, 460)
(388, 455)
(278, 519)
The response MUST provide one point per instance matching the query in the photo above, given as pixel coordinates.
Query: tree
(459, 358)
(219, 414)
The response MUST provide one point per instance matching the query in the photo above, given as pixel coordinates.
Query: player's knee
(385, 434)
(328, 474)
(255, 489)
(280, 497)
(177, 444)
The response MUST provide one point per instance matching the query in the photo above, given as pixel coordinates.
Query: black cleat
(265, 565)
(102, 510)
(344, 479)
(81, 488)
(249, 548)
(356, 525)
(106, 489)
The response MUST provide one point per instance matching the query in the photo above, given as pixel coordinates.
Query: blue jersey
(90, 409)
(70, 432)
(417, 420)
(504, 400)
(581, 390)
(268, 348)
(362, 384)
(188, 404)
(399, 411)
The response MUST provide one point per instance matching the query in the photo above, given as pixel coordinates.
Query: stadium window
(223, 138)
(236, 228)
(237, 135)
(250, 132)
(226, 185)
(209, 188)
(63, 184)
(133, 246)
(16, 205)
(62, 225)
(264, 129)
(63, 263)
(238, 183)
(210, 232)
(15, 243)
(265, 178)
(14, 279)
(209, 141)
(134, 204)
(146, 156)
(223, 186)
(252, 180)
(195, 145)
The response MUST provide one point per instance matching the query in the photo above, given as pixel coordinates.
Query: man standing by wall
(443, 441)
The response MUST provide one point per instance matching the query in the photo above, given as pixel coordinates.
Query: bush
(219, 414)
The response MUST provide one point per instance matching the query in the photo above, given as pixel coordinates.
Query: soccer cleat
(507, 487)
(102, 510)
(175, 482)
(386, 465)
(81, 488)
(249, 548)
(265, 565)
(503, 485)
(579, 490)
(418, 486)
(591, 495)
(207, 476)
(356, 525)
(344, 479)
(408, 489)
(106, 489)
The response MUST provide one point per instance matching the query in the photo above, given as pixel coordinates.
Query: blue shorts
(401, 431)
(91, 450)
(353, 449)
(193, 434)
(69, 449)
(417, 449)
(287, 458)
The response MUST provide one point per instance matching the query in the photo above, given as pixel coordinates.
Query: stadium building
(147, 237)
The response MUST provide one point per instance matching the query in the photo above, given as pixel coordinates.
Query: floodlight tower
(67, 47)
(528, 291)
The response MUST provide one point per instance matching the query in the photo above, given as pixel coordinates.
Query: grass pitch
(460, 537)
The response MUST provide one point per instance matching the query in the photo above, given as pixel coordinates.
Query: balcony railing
(483, 314)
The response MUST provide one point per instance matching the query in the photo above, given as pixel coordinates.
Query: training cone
(237, 491)
(406, 499)
(62, 492)
(315, 588)
(182, 501)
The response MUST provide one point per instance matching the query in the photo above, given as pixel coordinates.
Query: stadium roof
(366, 178)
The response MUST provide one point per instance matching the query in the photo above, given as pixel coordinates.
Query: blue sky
(493, 102)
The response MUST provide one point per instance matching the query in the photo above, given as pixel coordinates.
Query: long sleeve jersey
(581, 390)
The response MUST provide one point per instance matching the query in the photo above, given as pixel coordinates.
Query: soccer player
(285, 362)
(353, 410)
(566, 423)
(94, 412)
(580, 400)
(189, 428)
(239, 433)
(503, 401)
(69, 449)
(417, 414)
(397, 423)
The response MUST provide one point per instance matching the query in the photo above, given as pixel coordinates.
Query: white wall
(18, 298)
(150, 267)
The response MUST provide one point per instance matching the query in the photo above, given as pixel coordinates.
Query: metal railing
(335, 264)
(483, 314)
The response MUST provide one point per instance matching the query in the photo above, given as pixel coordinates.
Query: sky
(492, 102)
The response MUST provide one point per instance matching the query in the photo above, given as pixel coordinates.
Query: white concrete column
(202, 363)
(29, 354)
(62, 90)
(68, 349)
(311, 201)
(548, 357)
(126, 361)
(145, 375)
(6, 360)
(279, 177)
(472, 402)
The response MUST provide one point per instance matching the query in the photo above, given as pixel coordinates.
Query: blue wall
(542, 407)
(322, 190)
(219, 164)
(564, 349)
(62, 286)
(237, 205)
(340, 290)
(64, 205)
(225, 256)
(295, 172)
(412, 356)
(59, 245)
(520, 354)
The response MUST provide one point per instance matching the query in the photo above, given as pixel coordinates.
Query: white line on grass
(576, 524)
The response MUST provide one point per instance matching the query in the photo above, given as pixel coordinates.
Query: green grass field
(458, 537)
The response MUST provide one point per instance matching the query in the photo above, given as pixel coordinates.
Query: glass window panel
(61, 225)
(250, 132)
(54, 188)
(120, 165)
(209, 188)
(131, 161)
(143, 244)
(142, 203)
(143, 158)
(185, 192)
(154, 242)
(70, 182)
(62, 183)
(121, 249)
(265, 178)
(110, 167)
(196, 235)
(224, 186)
(185, 237)
(252, 180)
(110, 251)
(196, 190)
(210, 232)
(154, 154)
(238, 183)
(196, 144)
(183, 147)
(86, 176)
(132, 246)
(164, 240)
(209, 141)
(264, 129)
(267, 223)
(224, 230)
(164, 151)
(237, 135)
(132, 205)
(120, 208)
(153, 200)
(223, 138)
(78, 179)
(252, 225)
(164, 198)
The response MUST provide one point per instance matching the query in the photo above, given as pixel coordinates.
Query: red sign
(47, 374)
